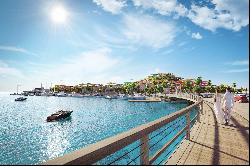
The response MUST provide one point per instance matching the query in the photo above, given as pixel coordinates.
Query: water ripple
(26, 137)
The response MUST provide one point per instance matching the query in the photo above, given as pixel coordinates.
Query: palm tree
(209, 83)
(198, 81)
(197, 87)
(234, 86)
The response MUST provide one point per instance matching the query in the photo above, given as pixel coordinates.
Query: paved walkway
(240, 108)
(212, 143)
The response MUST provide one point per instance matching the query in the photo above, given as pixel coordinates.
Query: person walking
(228, 103)
(218, 108)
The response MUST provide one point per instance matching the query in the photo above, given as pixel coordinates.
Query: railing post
(145, 150)
(202, 102)
(199, 113)
(188, 126)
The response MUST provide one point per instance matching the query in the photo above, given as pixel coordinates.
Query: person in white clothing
(218, 108)
(228, 103)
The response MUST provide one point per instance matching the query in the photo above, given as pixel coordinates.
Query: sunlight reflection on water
(26, 137)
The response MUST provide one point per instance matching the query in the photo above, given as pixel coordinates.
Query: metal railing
(94, 153)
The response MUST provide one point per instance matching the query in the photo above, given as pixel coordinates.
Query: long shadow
(220, 151)
(216, 149)
(243, 132)
(232, 127)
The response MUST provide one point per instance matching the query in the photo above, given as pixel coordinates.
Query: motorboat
(76, 95)
(62, 94)
(136, 97)
(20, 99)
(123, 97)
(111, 97)
(59, 115)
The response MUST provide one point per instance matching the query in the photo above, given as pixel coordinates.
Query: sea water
(26, 137)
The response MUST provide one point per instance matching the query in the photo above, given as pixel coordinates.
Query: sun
(59, 14)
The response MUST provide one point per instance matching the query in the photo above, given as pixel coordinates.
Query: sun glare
(59, 14)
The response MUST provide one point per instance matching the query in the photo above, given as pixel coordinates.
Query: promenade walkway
(212, 143)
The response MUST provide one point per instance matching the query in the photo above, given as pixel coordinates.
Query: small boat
(136, 97)
(123, 97)
(62, 94)
(76, 95)
(111, 97)
(20, 99)
(58, 115)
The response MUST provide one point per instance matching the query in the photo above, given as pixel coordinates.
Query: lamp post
(18, 85)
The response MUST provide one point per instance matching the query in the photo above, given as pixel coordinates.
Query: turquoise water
(26, 137)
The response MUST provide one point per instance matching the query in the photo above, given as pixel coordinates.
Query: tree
(234, 86)
(209, 83)
(197, 87)
(198, 81)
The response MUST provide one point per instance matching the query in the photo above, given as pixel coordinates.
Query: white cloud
(163, 7)
(237, 70)
(113, 6)
(148, 31)
(9, 71)
(86, 66)
(196, 36)
(182, 44)
(16, 49)
(228, 14)
(239, 63)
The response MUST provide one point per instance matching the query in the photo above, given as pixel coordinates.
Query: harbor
(124, 82)
(24, 127)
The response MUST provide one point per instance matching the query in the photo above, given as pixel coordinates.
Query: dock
(147, 100)
(212, 143)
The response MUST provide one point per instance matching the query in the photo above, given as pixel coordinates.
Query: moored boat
(59, 115)
(20, 99)
(111, 97)
(62, 94)
(136, 97)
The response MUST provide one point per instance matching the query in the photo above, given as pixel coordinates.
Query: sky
(99, 41)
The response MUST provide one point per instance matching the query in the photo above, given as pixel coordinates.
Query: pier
(212, 143)
(205, 140)
(149, 99)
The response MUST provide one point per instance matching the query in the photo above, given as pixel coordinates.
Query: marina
(124, 82)
(24, 131)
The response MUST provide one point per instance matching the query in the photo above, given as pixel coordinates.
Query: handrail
(97, 151)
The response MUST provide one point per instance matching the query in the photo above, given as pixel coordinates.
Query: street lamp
(18, 85)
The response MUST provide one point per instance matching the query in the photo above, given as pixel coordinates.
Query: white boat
(136, 97)
(62, 94)
(111, 97)
(86, 95)
(76, 95)
(124, 97)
